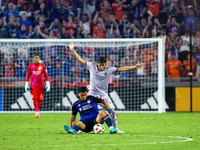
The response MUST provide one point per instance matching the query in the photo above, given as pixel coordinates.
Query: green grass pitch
(167, 131)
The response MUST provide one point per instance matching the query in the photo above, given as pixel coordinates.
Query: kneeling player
(89, 114)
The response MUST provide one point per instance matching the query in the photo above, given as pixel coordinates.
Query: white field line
(184, 139)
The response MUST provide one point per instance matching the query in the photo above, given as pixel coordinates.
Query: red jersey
(36, 72)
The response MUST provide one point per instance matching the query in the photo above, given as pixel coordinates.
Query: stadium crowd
(73, 19)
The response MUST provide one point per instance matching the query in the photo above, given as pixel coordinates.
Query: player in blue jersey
(86, 105)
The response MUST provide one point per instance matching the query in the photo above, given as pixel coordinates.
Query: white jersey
(99, 79)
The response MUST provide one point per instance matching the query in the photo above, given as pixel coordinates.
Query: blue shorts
(89, 124)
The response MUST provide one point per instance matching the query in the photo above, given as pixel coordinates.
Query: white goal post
(140, 90)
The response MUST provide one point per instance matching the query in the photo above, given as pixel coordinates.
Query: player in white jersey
(100, 76)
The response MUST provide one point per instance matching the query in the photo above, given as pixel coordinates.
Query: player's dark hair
(82, 89)
(101, 59)
(36, 54)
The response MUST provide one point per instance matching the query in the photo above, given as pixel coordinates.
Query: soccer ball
(98, 128)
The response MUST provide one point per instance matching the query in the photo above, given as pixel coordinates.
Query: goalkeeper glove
(47, 86)
(27, 88)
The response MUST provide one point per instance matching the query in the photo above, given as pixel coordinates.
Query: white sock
(114, 121)
(37, 112)
(110, 127)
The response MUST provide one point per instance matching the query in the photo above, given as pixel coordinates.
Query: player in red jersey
(36, 71)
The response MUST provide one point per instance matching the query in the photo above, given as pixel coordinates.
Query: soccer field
(174, 131)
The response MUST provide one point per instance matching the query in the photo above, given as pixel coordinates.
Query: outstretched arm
(127, 68)
(76, 55)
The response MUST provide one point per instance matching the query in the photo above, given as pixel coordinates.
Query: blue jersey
(88, 108)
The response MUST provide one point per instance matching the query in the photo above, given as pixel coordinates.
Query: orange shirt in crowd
(69, 26)
(173, 71)
(187, 66)
(105, 12)
(99, 33)
(9, 71)
(154, 8)
(118, 11)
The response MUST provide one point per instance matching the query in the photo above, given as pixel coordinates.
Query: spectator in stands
(175, 11)
(89, 5)
(25, 8)
(143, 25)
(123, 23)
(117, 7)
(41, 23)
(21, 65)
(105, 9)
(55, 26)
(28, 3)
(8, 13)
(22, 33)
(70, 24)
(58, 10)
(126, 61)
(49, 65)
(197, 76)
(78, 33)
(153, 7)
(186, 64)
(172, 48)
(84, 22)
(190, 18)
(197, 40)
(9, 68)
(163, 33)
(100, 31)
(114, 32)
(64, 34)
(130, 31)
(3, 29)
(146, 33)
(139, 56)
(12, 24)
(44, 34)
(156, 28)
(173, 67)
(172, 25)
(44, 12)
(185, 46)
(154, 62)
(24, 20)
(139, 11)
(110, 20)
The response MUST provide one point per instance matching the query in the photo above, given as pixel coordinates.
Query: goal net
(140, 90)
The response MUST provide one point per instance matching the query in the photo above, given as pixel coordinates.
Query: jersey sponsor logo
(86, 107)
(88, 101)
(36, 72)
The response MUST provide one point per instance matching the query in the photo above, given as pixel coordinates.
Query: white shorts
(103, 96)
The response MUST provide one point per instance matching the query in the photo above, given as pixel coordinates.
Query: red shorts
(37, 93)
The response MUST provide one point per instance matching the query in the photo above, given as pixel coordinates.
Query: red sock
(39, 104)
(35, 102)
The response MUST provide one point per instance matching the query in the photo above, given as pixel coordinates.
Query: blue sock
(75, 127)
(108, 121)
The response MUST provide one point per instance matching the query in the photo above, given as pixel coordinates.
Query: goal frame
(161, 65)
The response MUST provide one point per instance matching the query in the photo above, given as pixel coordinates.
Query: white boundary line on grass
(185, 139)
